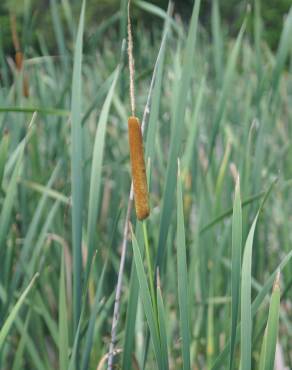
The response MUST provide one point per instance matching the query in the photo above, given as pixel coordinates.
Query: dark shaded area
(37, 18)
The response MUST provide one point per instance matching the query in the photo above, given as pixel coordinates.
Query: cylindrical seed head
(138, 169)
(18, 60)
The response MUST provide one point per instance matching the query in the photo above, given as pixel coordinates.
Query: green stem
(149, 264)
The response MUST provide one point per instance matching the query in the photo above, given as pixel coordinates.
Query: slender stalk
(128, 214)
(149, 264)
(119, 283)
(15, 38)
(131, 62)
(116, 314)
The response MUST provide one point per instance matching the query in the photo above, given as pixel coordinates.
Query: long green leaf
(3, 155)
(147, 303)
(246, 317)
(77, 171)
(90, 331)
(36, 359)
(47, 191)
(182, 274)
(19, 356)
(254, 308)
(96, 173)
(283, 51)
(271, 333)
(236, 266)
(217, 41)
(176, 135)
(42, 110)
(155, 10)
(226, 89)
(58, 28)
(7, 207)
(162, 328)
(13, 314)
(63, 320)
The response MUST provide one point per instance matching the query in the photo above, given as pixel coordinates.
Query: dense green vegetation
(219, 166)
(35, 16)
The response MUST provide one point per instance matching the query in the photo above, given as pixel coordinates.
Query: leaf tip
(276, 285)
(178, 168)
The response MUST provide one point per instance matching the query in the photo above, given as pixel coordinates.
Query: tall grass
(220, 106)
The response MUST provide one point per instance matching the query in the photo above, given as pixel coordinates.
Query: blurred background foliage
(105, 13)
(240, 119)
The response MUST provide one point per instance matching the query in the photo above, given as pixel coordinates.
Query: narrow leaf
(76, 171)
(235, 267)
(182, 273)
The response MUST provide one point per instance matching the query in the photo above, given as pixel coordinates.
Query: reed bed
(207, 277)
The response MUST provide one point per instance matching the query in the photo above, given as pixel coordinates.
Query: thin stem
(116, 315)
(15, 38)
(149, 264)
(131, 62)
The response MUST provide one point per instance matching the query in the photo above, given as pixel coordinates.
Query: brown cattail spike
(138, 169)
(18, 60)
(25, 86)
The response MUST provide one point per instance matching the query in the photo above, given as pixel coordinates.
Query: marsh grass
(223, 107)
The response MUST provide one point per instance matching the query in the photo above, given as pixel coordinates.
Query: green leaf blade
(236, 267)
(77, 170)
(182, 278)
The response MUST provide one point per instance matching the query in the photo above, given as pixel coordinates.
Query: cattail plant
(19, 58)
(139, 188)
(136, 143)
(138, 168)
(214, 306)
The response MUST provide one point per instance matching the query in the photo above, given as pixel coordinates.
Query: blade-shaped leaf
(96, 172)
(76, 170)
(147, 303)
(236, 267)
(14, 312)
(182, 275)
(63, 320)
(267, 357)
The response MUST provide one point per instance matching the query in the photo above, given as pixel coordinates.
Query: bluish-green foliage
(197, 289)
